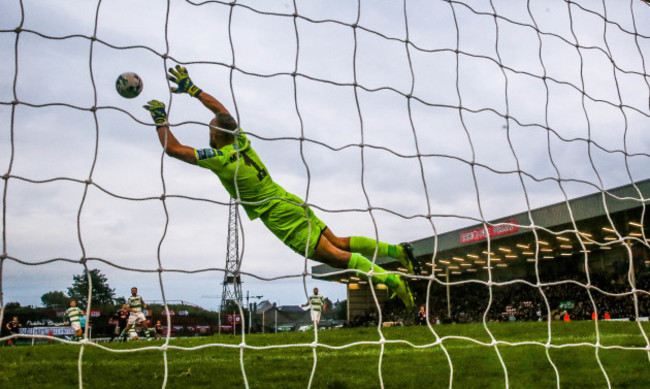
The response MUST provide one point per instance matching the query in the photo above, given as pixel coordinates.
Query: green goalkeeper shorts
(291, 224)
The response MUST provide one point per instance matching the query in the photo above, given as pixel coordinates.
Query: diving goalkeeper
(244, 176)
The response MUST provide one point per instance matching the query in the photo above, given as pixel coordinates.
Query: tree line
(102, 293)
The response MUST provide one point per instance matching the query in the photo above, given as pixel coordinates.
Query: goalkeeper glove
(157, 111)
(183, 81)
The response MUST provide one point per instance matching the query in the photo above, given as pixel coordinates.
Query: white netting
(432, 116)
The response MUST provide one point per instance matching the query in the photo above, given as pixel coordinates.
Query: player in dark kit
(122, 316)
(14, 329)
(244, 175)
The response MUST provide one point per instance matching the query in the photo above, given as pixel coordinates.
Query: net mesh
(474, 87)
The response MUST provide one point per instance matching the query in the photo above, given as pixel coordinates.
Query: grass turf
(344, 361)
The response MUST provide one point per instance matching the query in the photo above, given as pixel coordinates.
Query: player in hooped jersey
(136, 318)
(74, 314)
(315, 303)
(245, 177)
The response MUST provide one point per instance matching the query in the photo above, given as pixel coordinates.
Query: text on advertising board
(476, 234)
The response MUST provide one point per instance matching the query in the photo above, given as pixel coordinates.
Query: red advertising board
(477, 234)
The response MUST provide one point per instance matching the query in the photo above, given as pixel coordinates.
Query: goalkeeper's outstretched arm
(211, 103)
(170, 144)
(184, 84)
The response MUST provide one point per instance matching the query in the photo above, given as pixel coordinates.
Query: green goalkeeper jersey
(74, 314)
(253, 180)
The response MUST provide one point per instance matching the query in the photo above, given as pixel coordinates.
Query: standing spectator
(158, 328)
(422, 316)
(82, 322)
(14, 329)
(315, 304)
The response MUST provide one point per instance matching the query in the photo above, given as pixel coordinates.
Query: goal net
(507, 141)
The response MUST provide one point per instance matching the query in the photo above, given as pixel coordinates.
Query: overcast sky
(121, 218)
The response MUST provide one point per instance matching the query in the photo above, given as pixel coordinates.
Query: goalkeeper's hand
(181, 78)
(157, 111)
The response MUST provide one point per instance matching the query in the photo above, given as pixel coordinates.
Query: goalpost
(401, 120)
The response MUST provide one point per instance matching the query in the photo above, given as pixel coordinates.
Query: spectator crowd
(609, 296)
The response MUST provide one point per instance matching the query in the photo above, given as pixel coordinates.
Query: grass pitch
(350, 358)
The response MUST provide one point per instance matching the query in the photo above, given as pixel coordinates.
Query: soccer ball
(128, 85)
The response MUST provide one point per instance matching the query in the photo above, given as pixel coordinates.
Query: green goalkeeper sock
(366, 247)
(359, 262)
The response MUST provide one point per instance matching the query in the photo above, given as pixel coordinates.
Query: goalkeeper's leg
(328, 253)
(395, 282)
(367, 247)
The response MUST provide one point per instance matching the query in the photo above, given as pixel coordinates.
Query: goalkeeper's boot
(401, 289)
(408, 260)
